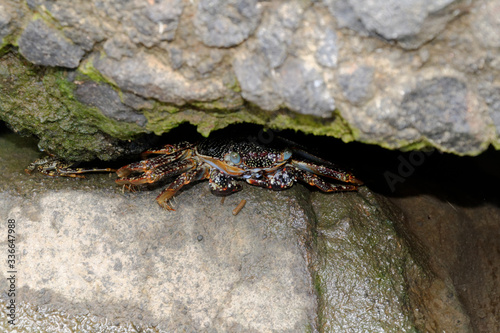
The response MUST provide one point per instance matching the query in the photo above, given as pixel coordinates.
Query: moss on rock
(39, 101)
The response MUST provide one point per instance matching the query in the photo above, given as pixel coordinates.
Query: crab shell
(243, 159)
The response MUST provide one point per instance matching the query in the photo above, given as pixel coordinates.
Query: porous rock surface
(400, 74)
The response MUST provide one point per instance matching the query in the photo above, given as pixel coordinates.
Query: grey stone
(256, 81)
(327, 53)
(293, 84)
(272, 55)
(5, 23)
(128, 262)
(491, 95)
(147, 76)
(393, 19)
(453, 119)
(176, 57)
(273, 39)
(154, 23)
(303, 88)
(166, 13)
(357, 84)
(108, 101)
(226, 23)
(78, 23)
(345, 15)
(411, 22)
(487, 23)
(361, 226)
(445, 120)
(45, 46)
(119, 46)
(276, 31)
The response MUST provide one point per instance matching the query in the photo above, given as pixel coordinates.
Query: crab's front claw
(184, 179)
(168, 149)
(222, 184)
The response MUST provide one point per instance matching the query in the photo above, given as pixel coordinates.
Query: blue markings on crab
(224, 160)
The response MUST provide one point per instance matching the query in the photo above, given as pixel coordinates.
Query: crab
(223, 161)
(55, 167)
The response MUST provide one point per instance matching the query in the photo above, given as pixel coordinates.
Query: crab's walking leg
(327, 171)
(76, 172)
(169, 149)
(54, 167)
(161, 171)
(152, 163)
(184, 179)
(314, 180)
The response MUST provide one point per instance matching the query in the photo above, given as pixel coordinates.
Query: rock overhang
(312, 67)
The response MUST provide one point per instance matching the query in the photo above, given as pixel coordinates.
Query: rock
(298, 82)
(107, 100)
(256, 80)
(58, 120)
(77, 23)
(276, 31)
(487, 23)
(292, 84)
(451, 121)
(148, 76)
(327, 52)
(43, 45)
(446, 120)
(356, 83)
(491, 96)
(410, 22)
(337, 68)
(151, 268)
(289, 261)
(226, 23)
(5, 23)
(361, 265)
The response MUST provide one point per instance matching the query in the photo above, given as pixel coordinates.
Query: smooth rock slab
(121, 257)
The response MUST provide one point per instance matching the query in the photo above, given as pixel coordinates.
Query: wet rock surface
(402, 74)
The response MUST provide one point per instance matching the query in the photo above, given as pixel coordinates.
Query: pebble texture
(400, 74)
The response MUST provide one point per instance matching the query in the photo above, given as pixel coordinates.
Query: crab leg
(169, 149)
(279, 180)
(152, 163)
(327, 171)
(314, 180)
(54, 167)
(222, 184)
(183, 179)
(161, 171)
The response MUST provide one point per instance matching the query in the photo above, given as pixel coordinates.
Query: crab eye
(234, 157)
(287, 154)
